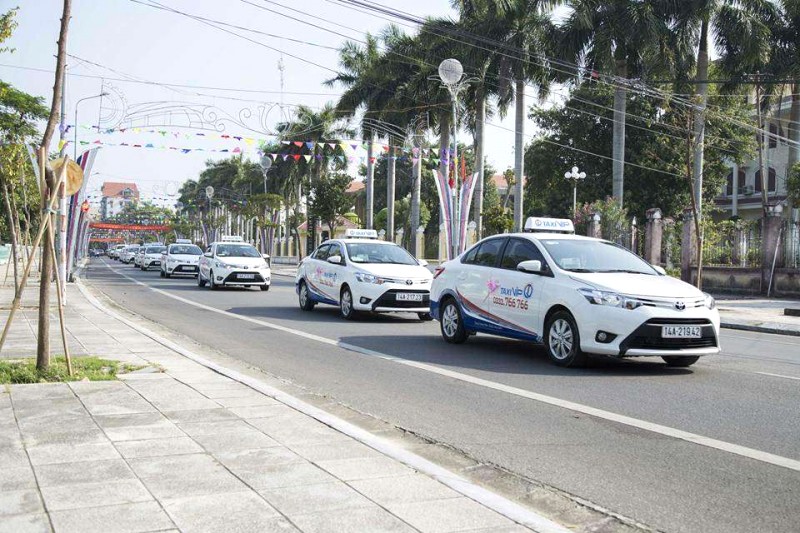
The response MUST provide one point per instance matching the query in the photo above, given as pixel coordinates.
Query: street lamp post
(574, 175)
(266, 163)
(451, 73)
(75, 125)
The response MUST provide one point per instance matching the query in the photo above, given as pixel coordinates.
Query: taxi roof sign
(549, 225)
(232, 238)
(183, 241)
(361, 233)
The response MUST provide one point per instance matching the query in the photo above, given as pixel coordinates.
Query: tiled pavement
(188, 449)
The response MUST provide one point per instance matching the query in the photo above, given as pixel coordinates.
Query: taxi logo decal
(487, 316)
(513, 297)
(325, 278)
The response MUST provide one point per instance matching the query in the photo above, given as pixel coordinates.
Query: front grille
(648, 336)
(236, 277)
(185, 268)
(389, 299)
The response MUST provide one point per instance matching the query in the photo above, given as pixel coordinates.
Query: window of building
(772, 181)
(740, 184)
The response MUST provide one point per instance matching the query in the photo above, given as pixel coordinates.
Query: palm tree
(742, 23)
(623, 36)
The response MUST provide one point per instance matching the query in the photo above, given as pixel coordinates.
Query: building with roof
(114, 196)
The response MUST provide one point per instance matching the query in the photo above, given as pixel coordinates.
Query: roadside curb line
(759, 329)
(485, 497)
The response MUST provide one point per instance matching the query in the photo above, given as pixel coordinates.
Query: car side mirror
(532, 267)
(423, 263)
(659, 269)
(335, 259)
(208, 254)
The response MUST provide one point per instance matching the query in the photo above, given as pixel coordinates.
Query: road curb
(760, 329)
(485, 497)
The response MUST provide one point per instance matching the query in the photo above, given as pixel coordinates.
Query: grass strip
(83, 368)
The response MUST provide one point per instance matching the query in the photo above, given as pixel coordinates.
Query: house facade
(114, 196)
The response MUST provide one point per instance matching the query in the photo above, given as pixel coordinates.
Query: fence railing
(731, 244)
(791, 243)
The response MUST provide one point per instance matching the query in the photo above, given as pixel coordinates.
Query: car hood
(396, 271)
(639, 285)
(185, 257)
(245, 261)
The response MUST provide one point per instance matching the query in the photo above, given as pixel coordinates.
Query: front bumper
(637, 333)
(152, 263)
(181, 268)
(386, 300)
(246, 278)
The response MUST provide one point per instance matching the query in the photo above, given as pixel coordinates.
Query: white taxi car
(128, 253)
(232, 261)
(360, 273)
(150, 256)
(181, 257)
(576, 295)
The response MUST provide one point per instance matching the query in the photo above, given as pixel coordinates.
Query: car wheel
(452, 323)
(200, 281)
(680, 361)
(167, 275)
(425, 317)
(562, 341)
(346, 304)
(303, 296)
(211, 285)
(265, 287)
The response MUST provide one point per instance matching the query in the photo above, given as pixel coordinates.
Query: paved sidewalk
(188, 449)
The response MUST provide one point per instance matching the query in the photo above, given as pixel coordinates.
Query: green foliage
(793, 186)
(7, 27)
(17, 175)
(143, 213)
(91, 368)
(330, 199)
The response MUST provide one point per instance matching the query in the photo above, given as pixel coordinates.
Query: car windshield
(185, 249)
(368, 252)
(155, 249)
(581, 255)
(237, 250)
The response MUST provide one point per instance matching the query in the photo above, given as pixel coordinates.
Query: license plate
(409, 297)
(247, 276)
(681, 332)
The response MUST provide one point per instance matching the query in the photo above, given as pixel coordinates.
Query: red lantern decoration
(85, 206)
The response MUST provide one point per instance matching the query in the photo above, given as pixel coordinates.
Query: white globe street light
(574, 175)
(451, 73)
(210, 192)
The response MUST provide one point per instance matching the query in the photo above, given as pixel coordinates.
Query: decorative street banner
(74, 214)
(129, 227)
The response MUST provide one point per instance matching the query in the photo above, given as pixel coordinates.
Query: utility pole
(62, 197)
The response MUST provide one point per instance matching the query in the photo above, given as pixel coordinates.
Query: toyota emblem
(409, 282)
(680, 306)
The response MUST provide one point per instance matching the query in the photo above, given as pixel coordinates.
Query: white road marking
(778, 375)
(709, 442)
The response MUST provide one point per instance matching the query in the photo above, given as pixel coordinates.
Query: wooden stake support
(59, 287)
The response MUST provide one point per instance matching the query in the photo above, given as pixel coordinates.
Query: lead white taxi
(576, 295)
(232, 261)
(360, 273)
(180, 258)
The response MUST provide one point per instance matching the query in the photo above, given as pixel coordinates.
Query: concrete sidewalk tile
(235, 440)
(126, 518)
(516, 528)
(365, 468)
(261, 411)
(94, 494)
(180, 476)
(20, 502)
(212, 388)
(17, 477)
(285, 474)
(136, 376)
(241, 512)
(293, 429)
(405, 489)
(372, 519)
(25, 523)
(71, 453)
(321, 497)
(158, 447)
(31, 410)
(80, 435)
(40, 391)
(443, 516)
(247, 401)
(184, 405)
(249, 464)
(138, 426)
(346, 449)
(55, 475)
(195, 429)
(202, 415)
(131, 420)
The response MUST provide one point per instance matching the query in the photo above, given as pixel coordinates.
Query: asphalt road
(504, 403)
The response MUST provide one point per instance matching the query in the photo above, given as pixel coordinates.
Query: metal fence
(733, 244)
(791, 240)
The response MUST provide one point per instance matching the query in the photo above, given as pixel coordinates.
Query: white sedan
(180, 258)
(233, 262)
(576, 295)
(359, 273)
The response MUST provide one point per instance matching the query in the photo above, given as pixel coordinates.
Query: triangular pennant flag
(299, 144)
(332, 146)
(225, 136)
(307, 158)
(185, 150)
(344, 146)
(354, 146)
(310, 145)
(237, 150)
(284, 142)
(285, 157)
(61, 144)
(296, 157)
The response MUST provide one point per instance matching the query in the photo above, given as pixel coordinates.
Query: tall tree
(623, 38)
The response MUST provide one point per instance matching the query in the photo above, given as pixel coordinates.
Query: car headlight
(369, 278)
(217, 264)
(611, 299)
(264, 265)
(710, 302)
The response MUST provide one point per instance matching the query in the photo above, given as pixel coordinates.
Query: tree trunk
(43, 334)
(391, 174)
(14, 238)
(700, 118)
(480, 118)
(519, 153)
(618, 144)
(370, 186)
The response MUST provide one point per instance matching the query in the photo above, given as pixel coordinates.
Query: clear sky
(131, 41)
